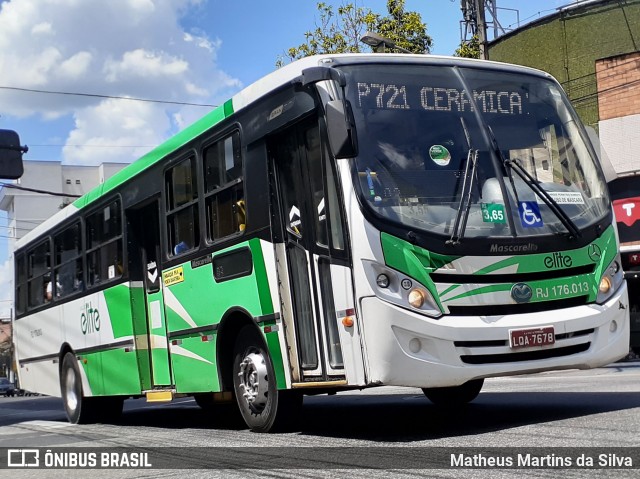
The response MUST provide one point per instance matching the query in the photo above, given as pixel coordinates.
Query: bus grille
(525, 355)
(495, 351)
(493, 278)
(504, 342)
(504, 309)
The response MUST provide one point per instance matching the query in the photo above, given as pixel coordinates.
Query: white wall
(620, 138)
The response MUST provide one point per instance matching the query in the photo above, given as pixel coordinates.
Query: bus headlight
(416, 298)
(610, 281)
(382, 280)
(397, 288)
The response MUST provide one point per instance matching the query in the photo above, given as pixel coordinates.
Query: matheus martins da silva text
(547, 460)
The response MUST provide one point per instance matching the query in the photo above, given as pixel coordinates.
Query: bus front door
(318, 289)
(146, 291)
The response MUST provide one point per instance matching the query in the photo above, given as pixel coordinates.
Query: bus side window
(104, 245)
(39, 274)
(21, 284)
(223, 186)
(183, 230)
(68, 261)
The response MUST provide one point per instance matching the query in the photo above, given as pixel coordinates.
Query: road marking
(46, 424)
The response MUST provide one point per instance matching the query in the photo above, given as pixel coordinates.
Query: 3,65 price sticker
(493, 213)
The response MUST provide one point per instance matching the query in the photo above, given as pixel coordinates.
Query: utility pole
(481, 29)
(474, 22)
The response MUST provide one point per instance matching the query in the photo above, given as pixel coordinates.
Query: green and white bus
(347, 221)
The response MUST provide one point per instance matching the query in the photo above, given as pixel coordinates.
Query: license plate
(528, 338)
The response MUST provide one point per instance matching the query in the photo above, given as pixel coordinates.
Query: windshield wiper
(465, 195)
(531, 182)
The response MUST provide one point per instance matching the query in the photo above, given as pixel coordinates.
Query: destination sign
(402, 97)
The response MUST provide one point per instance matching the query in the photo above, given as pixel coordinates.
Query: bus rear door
(146, 295)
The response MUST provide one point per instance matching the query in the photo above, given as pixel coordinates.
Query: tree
(469, 48)
(405, 29)
(340, 31)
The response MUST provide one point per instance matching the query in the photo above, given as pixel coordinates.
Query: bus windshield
(439, 141)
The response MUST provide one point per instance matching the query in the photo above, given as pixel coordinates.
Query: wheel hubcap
(71, 396)
(254, 381)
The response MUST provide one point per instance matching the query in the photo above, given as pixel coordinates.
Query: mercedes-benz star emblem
(594, 252)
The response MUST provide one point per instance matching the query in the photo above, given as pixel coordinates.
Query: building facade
(26, 209)
(593, 49)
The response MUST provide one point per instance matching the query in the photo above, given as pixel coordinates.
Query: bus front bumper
(407, 349)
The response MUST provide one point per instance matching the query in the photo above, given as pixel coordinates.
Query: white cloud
(133, 48)
(142, 64)
(75, 66)
(107, 132)
(43, 28)
(203, 42)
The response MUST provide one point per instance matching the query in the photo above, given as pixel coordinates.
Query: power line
(36, 222)
(34, 190)
(91, 146)
(530, 16)
(17, 228)
(112, 97)
(606, 90)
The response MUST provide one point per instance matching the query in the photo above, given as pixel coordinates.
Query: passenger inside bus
(181, 247)
(48, 292)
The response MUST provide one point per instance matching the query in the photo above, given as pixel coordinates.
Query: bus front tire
(262, 406)
(454, 395)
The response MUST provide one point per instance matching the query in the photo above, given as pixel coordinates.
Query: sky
(194, 53)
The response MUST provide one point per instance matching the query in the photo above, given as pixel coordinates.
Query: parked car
(6, 387)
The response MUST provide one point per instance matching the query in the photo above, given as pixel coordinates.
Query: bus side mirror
(340, 129)
(11, 167)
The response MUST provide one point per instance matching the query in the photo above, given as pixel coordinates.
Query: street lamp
(378, 42)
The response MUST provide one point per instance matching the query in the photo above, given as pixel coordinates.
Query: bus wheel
(261, 405)
(454, 395)
(79, 409)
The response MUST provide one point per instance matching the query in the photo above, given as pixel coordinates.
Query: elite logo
(558, 260)
(89, 319)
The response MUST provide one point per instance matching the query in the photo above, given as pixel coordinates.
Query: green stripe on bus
(266, 304)
(273, 343)
(399, 253)
(414, 261)
(118, 301)
(228, 108)
(112, 372)
(264, 293)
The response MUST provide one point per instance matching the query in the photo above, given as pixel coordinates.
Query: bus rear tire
(79, 409)
(454, 395)
(262, 406)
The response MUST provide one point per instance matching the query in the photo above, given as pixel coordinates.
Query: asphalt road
(587, 411)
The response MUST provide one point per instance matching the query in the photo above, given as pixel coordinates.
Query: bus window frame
(77, 221)
(96, 209)
(29, 278)
(25, 306)
(165, 212)
(221, 136)
(340, 256)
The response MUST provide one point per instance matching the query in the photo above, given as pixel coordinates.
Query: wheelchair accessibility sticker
(530, 216)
